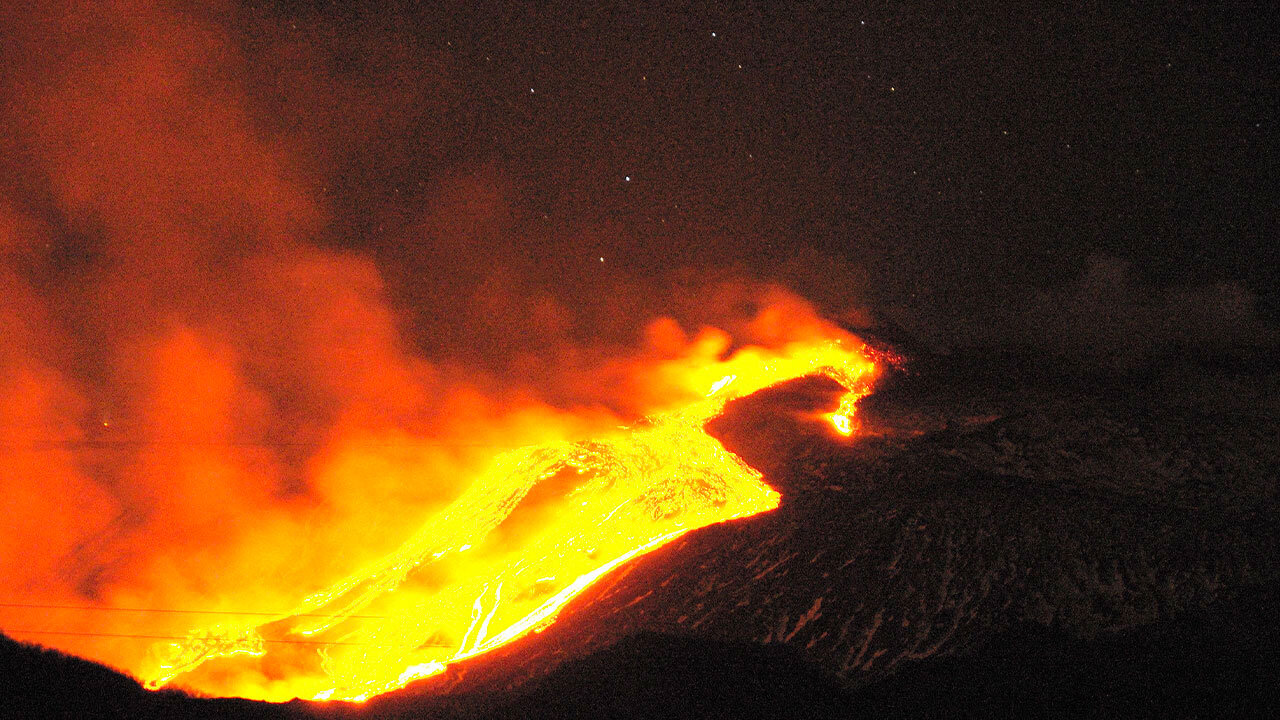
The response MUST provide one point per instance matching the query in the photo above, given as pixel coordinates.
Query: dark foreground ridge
(1001, 543)
(1224, 662)
(38, 683)
(1221, 662)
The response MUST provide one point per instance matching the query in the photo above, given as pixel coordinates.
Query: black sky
(968, 154)
(941, 164)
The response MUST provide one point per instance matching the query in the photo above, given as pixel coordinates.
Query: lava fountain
(530, 533)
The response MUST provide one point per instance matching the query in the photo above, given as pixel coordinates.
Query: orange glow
(530, 533)
(215, 432)
(842, 423)
(844, 419)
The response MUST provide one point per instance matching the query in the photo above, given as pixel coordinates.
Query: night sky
(963, 173)
(949, 162)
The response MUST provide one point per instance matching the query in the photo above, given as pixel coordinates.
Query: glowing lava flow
(534, 531)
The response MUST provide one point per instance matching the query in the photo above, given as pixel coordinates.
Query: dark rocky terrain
(1012, 537)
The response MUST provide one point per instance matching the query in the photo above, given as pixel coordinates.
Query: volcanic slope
(977, 507)
(987, 533)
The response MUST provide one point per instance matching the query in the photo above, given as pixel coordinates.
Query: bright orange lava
(529, 534)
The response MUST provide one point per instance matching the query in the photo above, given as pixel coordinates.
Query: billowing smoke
(211, 396)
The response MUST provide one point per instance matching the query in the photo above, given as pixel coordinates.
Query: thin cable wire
(59, 443)
(279, 641)
(174, 611)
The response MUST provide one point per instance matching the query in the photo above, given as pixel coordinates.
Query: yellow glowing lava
(531, 533)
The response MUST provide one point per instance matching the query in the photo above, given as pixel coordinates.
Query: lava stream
(531, 533)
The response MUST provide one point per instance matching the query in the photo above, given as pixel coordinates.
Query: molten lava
(208, 420)
(533, 531)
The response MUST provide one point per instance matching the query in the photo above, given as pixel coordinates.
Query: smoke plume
(212, 398)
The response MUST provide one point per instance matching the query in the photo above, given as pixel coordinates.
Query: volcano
(704, 358)
(995, 541)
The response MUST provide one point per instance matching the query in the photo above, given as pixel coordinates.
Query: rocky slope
(990, 523)
(1083, 508)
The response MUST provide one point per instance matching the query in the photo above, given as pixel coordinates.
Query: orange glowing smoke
(205, 416)
(533, 531)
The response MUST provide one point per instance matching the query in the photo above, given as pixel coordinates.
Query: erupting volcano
(489, 359)
(262, 435)
(532, 532)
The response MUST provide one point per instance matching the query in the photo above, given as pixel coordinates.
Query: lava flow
(533, 531)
